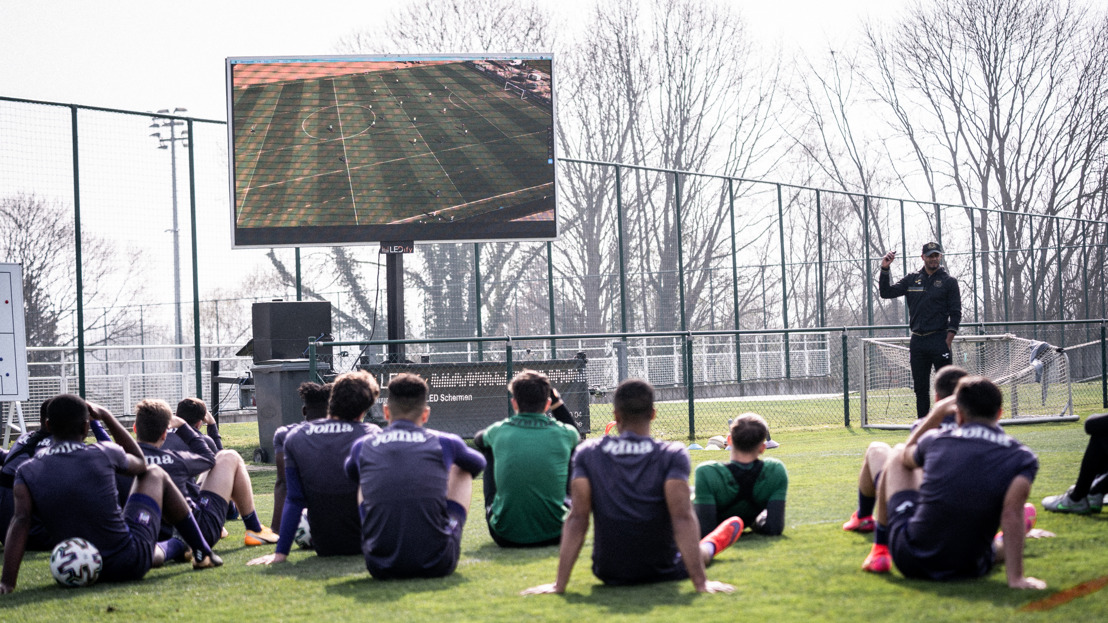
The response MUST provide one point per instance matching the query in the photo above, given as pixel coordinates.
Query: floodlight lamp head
(164, 111)
(163, 146)
(157, 135)
(177, 110)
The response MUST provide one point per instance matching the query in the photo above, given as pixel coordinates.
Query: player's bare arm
(573, 537)
(15, 544)
(686, 533)
(116, 430)
(1012, 523)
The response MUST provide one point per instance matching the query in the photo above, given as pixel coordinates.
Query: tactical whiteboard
(14, 385)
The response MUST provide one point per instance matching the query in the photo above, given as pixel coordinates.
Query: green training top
(531, 467)
(715, 485)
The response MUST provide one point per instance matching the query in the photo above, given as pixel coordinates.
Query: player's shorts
(908, 559)
(429, 560)
(144, 519)
(503, 542)
(211, 514)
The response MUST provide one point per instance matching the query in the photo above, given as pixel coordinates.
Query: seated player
(1087, 494)
(748, 487)
(227, 478)
(527, 467)
(314, 455)
(638, 489)
(315, 398)
(943, 494)
(946, 379)
(194, 412)
(415, 486)
(72, 489)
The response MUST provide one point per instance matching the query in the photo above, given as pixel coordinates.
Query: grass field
(811, 573)
(433, 143)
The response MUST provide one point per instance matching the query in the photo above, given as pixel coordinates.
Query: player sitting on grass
(1087, 494)
(943, 494)
(638, 489)
(72, 489)
(314, 456)
(877, 454)
(194, 412)
(528, 467)
(226, 480)
(415, 487)
(315, 398)
(748, 487)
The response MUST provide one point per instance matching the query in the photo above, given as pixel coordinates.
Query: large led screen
(363, 149)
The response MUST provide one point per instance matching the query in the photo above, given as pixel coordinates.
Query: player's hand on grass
(1039, 533)
(543, 589)
(268, 559)
(711, 586)
(1028, 582)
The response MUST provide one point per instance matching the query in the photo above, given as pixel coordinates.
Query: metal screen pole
(299, 287)
(198, 372)
(689, 386)
(77, 255)
(550, 296)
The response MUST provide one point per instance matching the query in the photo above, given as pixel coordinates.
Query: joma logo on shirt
(159, 460)
(64, 447)
(329, 427)
(390, 436)
(624, 446)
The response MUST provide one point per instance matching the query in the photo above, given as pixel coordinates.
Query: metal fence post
(865, 259)
(550, 296)
(622, 267)
(735, 279)
(299, 282)
(77, 254)
(784, 279)
(690, 385)
(821, 290)
(1104, 366)
(973, 266)
(477, 288)
(198, 370)
(511, 372)
(680, 250)
(846, 384)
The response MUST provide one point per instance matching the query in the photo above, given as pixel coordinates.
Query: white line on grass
(345, 160)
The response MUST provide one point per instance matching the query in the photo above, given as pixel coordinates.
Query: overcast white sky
(147, 55)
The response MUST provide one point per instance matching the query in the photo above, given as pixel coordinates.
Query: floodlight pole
(161, 122)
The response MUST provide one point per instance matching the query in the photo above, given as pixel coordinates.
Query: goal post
(1034, 376)
(515, 89)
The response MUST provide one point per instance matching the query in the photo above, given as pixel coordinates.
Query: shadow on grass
(369, 590)
(635, 600)
(492, 552)
(53, 592)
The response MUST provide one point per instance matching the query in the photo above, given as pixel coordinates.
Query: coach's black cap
(931, 248)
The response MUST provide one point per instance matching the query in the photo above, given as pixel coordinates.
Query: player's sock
(173, 548)
(251, 521)
(881, 535)
(190, 532)
(865, 504)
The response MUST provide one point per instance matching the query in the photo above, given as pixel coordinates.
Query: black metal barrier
(467, 397)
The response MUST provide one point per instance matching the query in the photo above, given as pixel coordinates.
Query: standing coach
(934, 313)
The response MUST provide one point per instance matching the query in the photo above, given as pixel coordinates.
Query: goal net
(1034, 376)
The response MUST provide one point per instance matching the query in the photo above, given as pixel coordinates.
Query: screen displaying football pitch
(356, 150)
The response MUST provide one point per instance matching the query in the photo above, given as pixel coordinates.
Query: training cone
(609, 428)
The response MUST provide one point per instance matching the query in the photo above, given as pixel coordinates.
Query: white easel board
(14, 382)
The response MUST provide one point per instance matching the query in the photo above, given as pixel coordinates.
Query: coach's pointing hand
(888, 259)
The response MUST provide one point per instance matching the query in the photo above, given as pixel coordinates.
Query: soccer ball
(303, 538)
(75, 562)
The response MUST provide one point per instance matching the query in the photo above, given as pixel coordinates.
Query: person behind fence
(71, 488)
(637, 487)
(748, 487)
(934, 315)
(1087, 494)
(877, 454)
(314, 456)
(415, 486)
(528, 467)
(315, 397)
(943, 494)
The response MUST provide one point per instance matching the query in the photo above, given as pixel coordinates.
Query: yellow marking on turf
(1066, 596)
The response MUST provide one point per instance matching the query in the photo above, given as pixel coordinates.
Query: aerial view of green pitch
(361, 151)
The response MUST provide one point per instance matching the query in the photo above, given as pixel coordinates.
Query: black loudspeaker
(282, 329)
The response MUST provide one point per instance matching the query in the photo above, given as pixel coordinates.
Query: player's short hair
(634, 400)
(748, 431)
(407, 396)
(978, 397)
(192, 410)
(42, 412)
(315, 397)
(531, 390)
(352, 394)
(152, 417)
(946, 380)
(67, 415)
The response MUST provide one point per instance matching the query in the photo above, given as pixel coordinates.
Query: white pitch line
(346, 161)
(250, 178)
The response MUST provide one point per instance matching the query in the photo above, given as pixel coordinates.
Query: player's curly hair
(531, 390)
(352, 394)
(151, 419)
(634, 400)
(315, 397)
(67, 415)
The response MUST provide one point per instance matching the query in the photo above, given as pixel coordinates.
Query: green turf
(811, 573)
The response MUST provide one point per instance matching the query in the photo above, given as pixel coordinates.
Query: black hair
(979, 398)
(407, 396)
(634, 400)
(530, 390)
(67, 416)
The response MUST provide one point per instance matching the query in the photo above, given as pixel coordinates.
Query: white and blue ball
(303, 538)
(75, 562)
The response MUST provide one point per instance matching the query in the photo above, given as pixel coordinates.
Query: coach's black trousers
(926, 353)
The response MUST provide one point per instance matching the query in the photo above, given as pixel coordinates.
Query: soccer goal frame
(1034, 375)
(515, 88)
